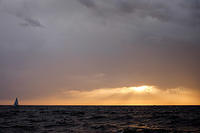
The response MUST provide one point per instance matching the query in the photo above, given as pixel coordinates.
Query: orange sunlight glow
(142, 89)
(133, 95)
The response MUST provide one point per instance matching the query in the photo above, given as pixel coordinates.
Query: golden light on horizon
(133, 95)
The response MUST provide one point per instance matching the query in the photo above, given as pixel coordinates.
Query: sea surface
(100, 119)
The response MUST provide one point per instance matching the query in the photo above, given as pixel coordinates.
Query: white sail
(16, 102)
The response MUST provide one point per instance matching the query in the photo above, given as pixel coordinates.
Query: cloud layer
(140, 95)
(81, 45)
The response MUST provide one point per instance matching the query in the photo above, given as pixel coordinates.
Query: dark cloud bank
(50, 45)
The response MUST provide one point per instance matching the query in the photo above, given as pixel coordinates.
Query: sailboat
(16, 102)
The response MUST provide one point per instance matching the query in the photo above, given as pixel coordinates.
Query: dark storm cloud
(194, 7)
(89, 44)
(161, 10)
(31, 22)
(88, 3)
(22, 12)
(157, 9)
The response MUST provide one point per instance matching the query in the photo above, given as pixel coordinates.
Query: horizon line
(105, 105)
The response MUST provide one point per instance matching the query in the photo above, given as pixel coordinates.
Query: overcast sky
(50, 47)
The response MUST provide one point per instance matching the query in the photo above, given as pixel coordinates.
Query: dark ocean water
(99, 119)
